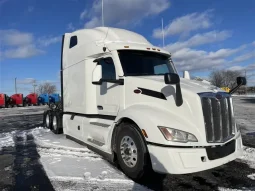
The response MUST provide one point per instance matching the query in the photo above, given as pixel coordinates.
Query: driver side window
(108, 69)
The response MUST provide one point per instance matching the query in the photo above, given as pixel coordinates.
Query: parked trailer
(17, 100)
(43, 99)
(123, 98)
(30, 100)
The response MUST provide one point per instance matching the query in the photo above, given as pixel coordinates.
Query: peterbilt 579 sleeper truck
(123, 98)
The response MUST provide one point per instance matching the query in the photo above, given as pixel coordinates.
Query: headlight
(177, 135)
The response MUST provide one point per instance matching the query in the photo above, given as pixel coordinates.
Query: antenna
(103, 12)
(163, 33)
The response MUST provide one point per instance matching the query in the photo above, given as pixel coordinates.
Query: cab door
(109, 91)
(108, 97)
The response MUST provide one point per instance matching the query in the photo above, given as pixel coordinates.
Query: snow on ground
(68, 162)
(6, 139)
(70, 165)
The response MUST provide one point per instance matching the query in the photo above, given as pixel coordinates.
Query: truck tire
(57, 127)
(132, 153)
(47, 119)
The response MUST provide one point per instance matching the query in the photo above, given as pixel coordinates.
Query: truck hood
(187, 117)
(189, 85)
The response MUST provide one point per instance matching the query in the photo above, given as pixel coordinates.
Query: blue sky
(202, 35)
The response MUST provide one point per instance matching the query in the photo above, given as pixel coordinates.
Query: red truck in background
(17, 100)
(5, 101)
(30, 99)
(2, 100)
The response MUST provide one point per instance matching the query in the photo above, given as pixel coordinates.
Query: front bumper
(169, 160)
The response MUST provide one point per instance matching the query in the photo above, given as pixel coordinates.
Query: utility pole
(34, 85)
(15, 85)
(163, 34)
(103, 13)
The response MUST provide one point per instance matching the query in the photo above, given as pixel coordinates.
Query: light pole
(103, 13)
(34, 85)
(15, 85)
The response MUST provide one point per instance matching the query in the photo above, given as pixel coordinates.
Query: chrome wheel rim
(47, 120)
(54, 123)
(128, 151)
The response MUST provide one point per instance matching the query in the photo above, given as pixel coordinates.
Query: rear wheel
(132, 153)
(57, 127)
(47, 119)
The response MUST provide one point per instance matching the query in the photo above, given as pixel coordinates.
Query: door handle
(100, 107)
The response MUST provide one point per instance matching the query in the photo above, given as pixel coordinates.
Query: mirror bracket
(240, 81)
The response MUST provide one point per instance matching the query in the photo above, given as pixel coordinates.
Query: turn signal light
(144, 133)
(126, 46)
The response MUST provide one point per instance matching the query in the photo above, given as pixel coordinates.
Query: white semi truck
(123, 98)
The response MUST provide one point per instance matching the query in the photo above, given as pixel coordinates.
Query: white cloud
(244, 57)
(118, 12)
(253, 43)
(225, 52)
(70, 27)
(195, 60)
(46, 41)
(3, 1)
(185, 24)
(200, 60)
(26, 81)
(199, 39)
(236, 68)
(13, 37)
(25, 51)
(84, 14)
(17, 44)
(94, 22)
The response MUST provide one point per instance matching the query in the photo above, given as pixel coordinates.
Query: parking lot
(33, 158)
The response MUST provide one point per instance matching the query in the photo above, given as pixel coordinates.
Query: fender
(149, 117)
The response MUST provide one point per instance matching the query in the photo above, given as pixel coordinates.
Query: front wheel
(132, 153)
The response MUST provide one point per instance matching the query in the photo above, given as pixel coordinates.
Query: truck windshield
(143, 63)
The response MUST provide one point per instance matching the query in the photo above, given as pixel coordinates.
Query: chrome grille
(218, 116)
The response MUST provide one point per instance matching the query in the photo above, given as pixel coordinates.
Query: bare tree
(224, 78)
(46, 88)
(216, 78)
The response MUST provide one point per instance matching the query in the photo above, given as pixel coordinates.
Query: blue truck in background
(47, 99)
